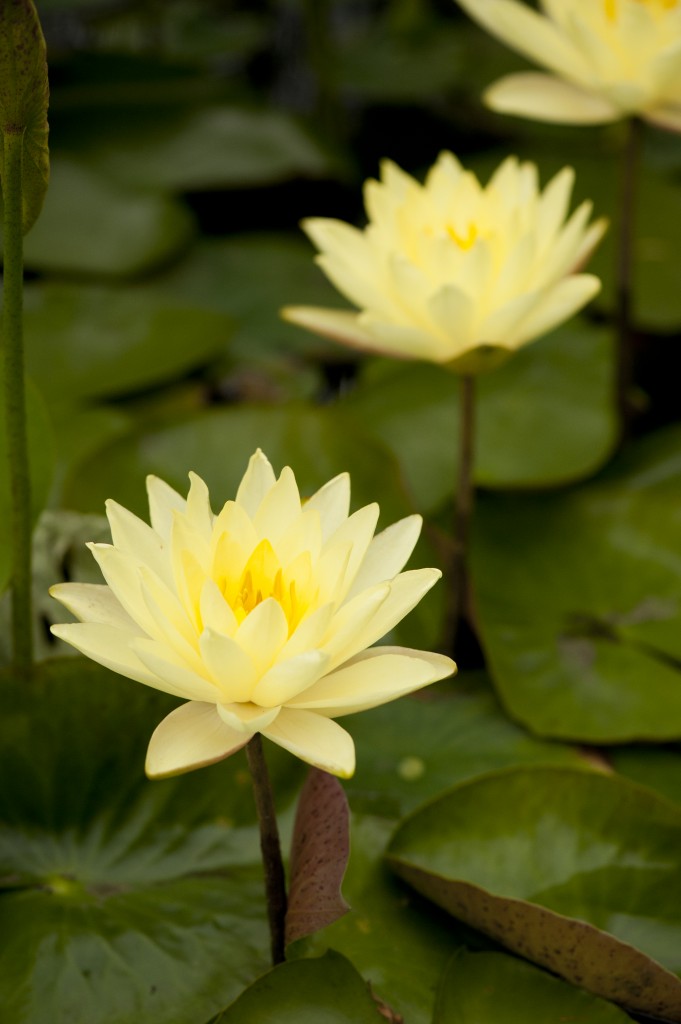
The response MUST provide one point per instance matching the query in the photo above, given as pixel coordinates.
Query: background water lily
(260, 616)
(608, 59)
(452, 271)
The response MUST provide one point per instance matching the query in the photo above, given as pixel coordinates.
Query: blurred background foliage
(188, 138)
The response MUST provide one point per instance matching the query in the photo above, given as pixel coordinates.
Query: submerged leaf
(24, 95)
(319, 856)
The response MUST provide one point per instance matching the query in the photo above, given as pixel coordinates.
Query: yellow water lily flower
(454, 272)
(259, 616)
(608, 59)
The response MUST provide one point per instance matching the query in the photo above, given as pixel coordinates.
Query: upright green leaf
(24, 95)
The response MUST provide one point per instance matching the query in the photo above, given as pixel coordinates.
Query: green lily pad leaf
(306, 992)
(41, 459)
(577, 597)
(575, 870)
(93, 227)
(317, 443)
(544, 418)
(250, 277)
(123, 899)
(24, 93)
(491, 988)
(143, 338)
(412, 749)
(398, 942)
(319, 856)
(656, 767)
(216, 147)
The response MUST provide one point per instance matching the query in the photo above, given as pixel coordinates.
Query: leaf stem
(631, 157)
(463, 512)
(15, 398)
(275, 880)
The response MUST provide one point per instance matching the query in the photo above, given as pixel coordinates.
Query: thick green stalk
(275, 879)
(15, 398)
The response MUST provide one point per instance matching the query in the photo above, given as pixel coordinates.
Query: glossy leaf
(319, 856)
(92, 227)
(41, 456)
(124, 899)
(656, 767)
(576, 870)
(24, 95)
(326, 989)
(215, 147)
(142, 338)
(544, 418)
(578, 600)
(491, 988)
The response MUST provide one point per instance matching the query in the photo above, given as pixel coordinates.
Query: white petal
(310, 634)
(666, 116)
(337, 324)
(406, 341)
(247, 718)
(113, 648)
(258, 479)
(121, 572)
(163, 502)
(288, 678)
(372, 678)
(332, 501)
(363, 627)
(319, 741)
(387, 554)
(135, 537)
(279, 508)
(230, 666)
(175, 677)
(216, 613)
(453, 313)
(561, 302)
(199, 512)
(544, 98)
(191, 736)
(263, 633)
(357, 531)
(93, 602)
(527, 32)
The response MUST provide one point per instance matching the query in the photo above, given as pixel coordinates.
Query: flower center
(612, 6)
(466, 241)
(263, 577)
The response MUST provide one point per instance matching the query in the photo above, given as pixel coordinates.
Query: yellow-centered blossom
(608, 59)
(454, 272)
(259, 616)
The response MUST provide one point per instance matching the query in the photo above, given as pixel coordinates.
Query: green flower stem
(463, 513)
(15, 399)
(275, 880)
(631, 158)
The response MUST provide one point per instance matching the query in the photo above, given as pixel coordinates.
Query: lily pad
(578, 600)
(576, 870)
(112, 340)
(93, 227)
(491, 988)
(123, 898)
(306, 992)
(214, 147)
(544, 418)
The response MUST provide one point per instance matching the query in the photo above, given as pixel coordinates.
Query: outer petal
(173, 675)
(133, 536)
(258, 479)
(332, 501)
(164, 501)
(387, 554)
(288, 678)
(560, 303)
(191, 736)
(93, 602)
(544, 98)
(372, 678)
(112, 648)
(319, 741)
(338, 324)
(246, 717)
(667, 116)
